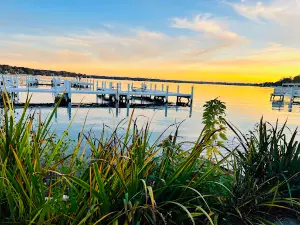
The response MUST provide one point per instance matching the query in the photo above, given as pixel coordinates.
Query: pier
(108, 93)
(290, 90)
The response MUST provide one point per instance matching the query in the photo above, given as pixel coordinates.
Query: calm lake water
(245, 107)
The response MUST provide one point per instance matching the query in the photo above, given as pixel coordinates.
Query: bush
(266, 175)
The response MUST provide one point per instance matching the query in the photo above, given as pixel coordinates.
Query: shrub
(266, 175)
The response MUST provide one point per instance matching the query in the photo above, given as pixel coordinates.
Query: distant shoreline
(25, 70)
(172, 81)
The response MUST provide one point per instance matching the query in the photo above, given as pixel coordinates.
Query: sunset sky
(206, 40)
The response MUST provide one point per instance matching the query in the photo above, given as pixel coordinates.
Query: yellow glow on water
(245, 107)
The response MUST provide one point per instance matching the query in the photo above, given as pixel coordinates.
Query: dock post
(167, 94)
(142, 86)
(17, 85)
(291, 99)
(55, 87)
(154, 94)
(177, 94)
(162, 87)
(97, 90)
(151, 86)
(127, 99)
(110, 85)
(191, 100)
(69, 110)
(69, 92)
(66, 96)
(177, 98)
(166, 103)
(103, 87)
(117, 100)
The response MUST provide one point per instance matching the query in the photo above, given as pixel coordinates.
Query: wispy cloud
(207, 24)
(284, 12)
(213, 30)
(134, 47)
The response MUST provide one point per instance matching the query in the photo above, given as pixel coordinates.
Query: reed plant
(265, 175)
(125, 178)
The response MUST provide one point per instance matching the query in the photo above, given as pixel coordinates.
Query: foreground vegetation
(126, 179)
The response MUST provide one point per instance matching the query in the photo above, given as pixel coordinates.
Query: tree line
(25, 70)
(284, 80)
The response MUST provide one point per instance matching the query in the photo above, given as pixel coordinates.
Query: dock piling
(292, 98)
(97, 90)
(177, 98)
(117, 100)
(167, 94)
(69, 110)
(191, 100)
(128, 100)
(55, 88)
(17, 85)
(166, 102)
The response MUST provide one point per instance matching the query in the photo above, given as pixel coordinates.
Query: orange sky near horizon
(233, 73)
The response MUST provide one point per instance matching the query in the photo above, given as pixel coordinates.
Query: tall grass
(126, 179)
(265, 175)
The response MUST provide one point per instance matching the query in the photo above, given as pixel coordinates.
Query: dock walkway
(116, 94)
(290, 90)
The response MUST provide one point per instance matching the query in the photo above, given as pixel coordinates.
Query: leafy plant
(214, 119)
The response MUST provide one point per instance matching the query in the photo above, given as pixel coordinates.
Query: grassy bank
(128, 180)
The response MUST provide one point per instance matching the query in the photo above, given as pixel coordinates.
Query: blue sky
(241, 40)
(92, 14)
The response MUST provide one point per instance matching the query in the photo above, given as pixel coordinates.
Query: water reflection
(118, 111)
(278, 105)
(281, 105)
(245, 107)
(70, 110)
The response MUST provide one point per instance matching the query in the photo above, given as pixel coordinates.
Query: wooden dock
(290, 90)
(108, 94)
